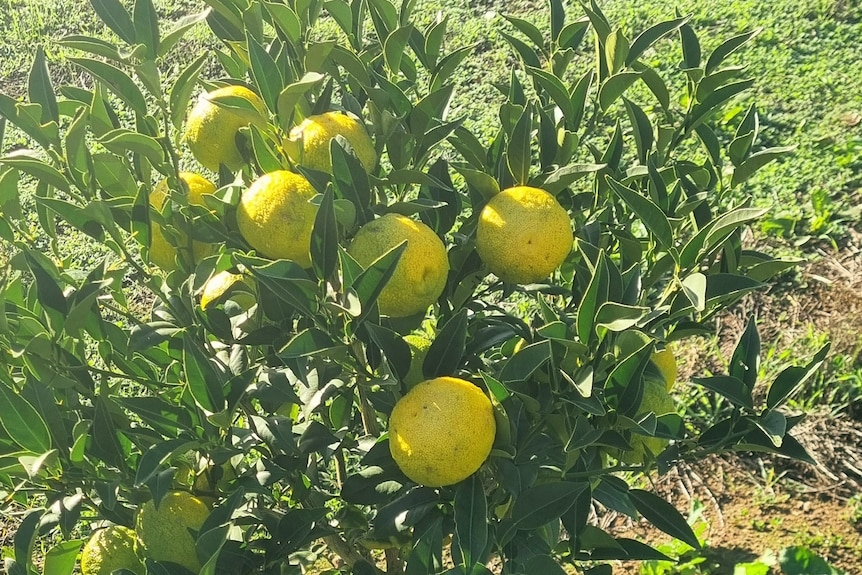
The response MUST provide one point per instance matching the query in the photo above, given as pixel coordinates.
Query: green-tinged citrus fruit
(211, 128)
(523, 235)
(441, 431)
(226, 285)
(419, 345)
(420, 275)
(666, 364)
(655, 399)
(165, 534)
(276, 218)
(163, 253)
(309, 142)
(110, 549)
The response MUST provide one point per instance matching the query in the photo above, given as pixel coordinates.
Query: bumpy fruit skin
(211, 129)
(421, 273)
(275, 217)
(656, 399)
(666, 364)
(523, 235)
(441, 431)
(162, 252)
(163, 533)
(419, 345)
(309, 142)
(110, 549)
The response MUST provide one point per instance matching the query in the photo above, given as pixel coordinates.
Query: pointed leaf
(22, 422)
(445, 353)
(324, 238)
(664, 516)
(648, 212)
(115, 17)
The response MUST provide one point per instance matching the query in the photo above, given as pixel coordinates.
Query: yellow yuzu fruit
(441, 431)
(276, 218)
(655, 399)
(309, 142)
(211, 128)
(523, 234)
(164, 533)
(419, 345)
(162, 252)
(666, 364)
(421, 273)
(109, 549)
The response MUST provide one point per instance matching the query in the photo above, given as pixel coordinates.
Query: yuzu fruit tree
(620, 229)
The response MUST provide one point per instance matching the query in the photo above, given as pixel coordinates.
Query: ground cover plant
(264, 380)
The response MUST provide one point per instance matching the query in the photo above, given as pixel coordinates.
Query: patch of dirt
(749, 512)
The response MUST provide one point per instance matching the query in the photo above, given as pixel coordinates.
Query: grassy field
(809, 92)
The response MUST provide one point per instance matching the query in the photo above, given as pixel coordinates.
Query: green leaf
(24, 161)
(290, 96)
(285, 20)
(116, 18)
(471, 522)
(529, 30)
(594, 296)
(445, 353)
(756, 161)
(711, 103)
(616, 50)
(647, 212)
(307, 343)
(265, 73)
(22, 422)
(541, 504)
(40, 89)
(556, 90)
(651, 35)
(690, 47)
(351, 181)
(146, 23)
(447, 66)
(793, 378)
(324, 238)
(156, 456)
(104, 441)
(519, 153)
(181, 92)
(528, 54)
(726, 48)
(426, 555)
(579, 96)
(524, 363)
(286, 280)
(205, 383)
(642, 129)
(394, 47)
(618, 317)
(745, 363)
(664, 516)
(730, 387)
(802, 561)
(483, 183)
(178, 31)
(614, 87)
(371, 282)
(122, 140)
(60, 559)
(116, 80)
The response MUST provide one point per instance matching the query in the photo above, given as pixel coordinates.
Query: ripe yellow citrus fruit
(419, 345)
(276, 218)
(164, 533)
(227, 285)
(441, 431)
(666, 364)
(211, 129)
(309, 142)
(655, 399)
(163, 253)
(110, 549)
(523, 235)
(421, 273)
